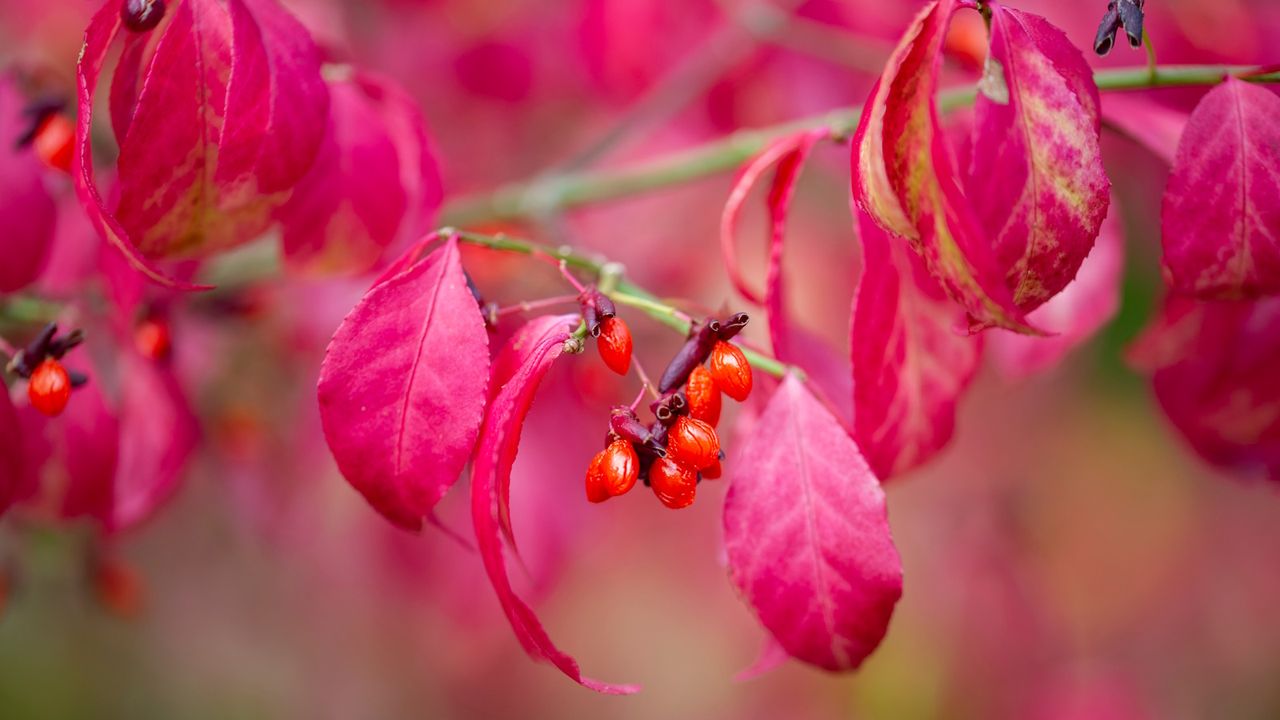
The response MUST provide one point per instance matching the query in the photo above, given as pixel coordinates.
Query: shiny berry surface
(597, 490)
(614, 344)
(674, 484)
(693, 443)
(704, 397)
(713, 471)
(54, 142)
(49, 388)
(152, 339)
(621, 467)
(731, 371)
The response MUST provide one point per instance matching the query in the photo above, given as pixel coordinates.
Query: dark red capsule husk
(624, 423)
(693, 353)
(734, 325)
(142, 15)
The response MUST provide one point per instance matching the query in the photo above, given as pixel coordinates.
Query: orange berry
(49, 388)
(692, 443)
(152, 339)
(119, 589)
(621, 467)
(674, 484)
(614, 345)
(712, 471)
(597, 491)
(731, 371)
(704, 396)
(54, 142)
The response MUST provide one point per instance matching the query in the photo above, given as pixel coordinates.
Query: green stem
(574, 189)
(623, 292)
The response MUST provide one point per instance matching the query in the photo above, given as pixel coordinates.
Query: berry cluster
(49, 384)
(680, 446)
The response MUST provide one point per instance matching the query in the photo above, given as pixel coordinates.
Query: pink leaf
(1221, 215)
(1037, 183)
(11, 451)
(1213, 368)
(1073, 315)
(158, 433)
(1153, 126)
(373, 181)
(402, 388)
(904, 176)
(495, 455)
(910, 361)
(27, 211)
(807, 535)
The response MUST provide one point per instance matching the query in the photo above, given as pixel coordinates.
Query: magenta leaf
(209, 153)
(373, 181)
(1037, 183)
(911, 362)
(1221, 214)
(1073, 315)
(807, 534)
(1153, 126)
(904, 174)
(403, 386)
(1212, 366)
(11, 451)
(530, 356)
(27, 211)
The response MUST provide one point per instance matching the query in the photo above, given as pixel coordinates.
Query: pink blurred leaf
(1073, 315)
(27, 211)
(904, 174)
(403, 384)
(1212, 367)
(807, 534)
(374, 180)
(772, 656)
(1037, 183)
(11, 451)
(911, 363)
(1221, 214)
(1152, 125)
(491, 470)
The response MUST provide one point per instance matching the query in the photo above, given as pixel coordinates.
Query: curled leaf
(807, 535)
(403, 386)
(1212, 367)
(527, 364)
(904, 175)
(911, 363)
(1221, 213)
(1037, 183)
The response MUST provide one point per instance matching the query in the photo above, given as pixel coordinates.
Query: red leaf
(904, 175)
(1221, 215)
(1213, 368)
(403, 385)
(911, 362)
(27, 211)
(807, 536)
(1075, 314)
(1037, 182)
(530, 357)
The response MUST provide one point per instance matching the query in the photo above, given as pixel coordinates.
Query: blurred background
(1067, 557)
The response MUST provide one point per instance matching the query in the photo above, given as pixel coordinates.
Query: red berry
(731, 370)
(674, 484)
(692, 443)
(615, 345)
(621, 467)
(152, 338)
(118, 588)
(597, 491)
(713, 471)
(49, 388)
(704, 396)
(54, 142)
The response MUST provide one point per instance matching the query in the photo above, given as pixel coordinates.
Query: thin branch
(574, 189)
